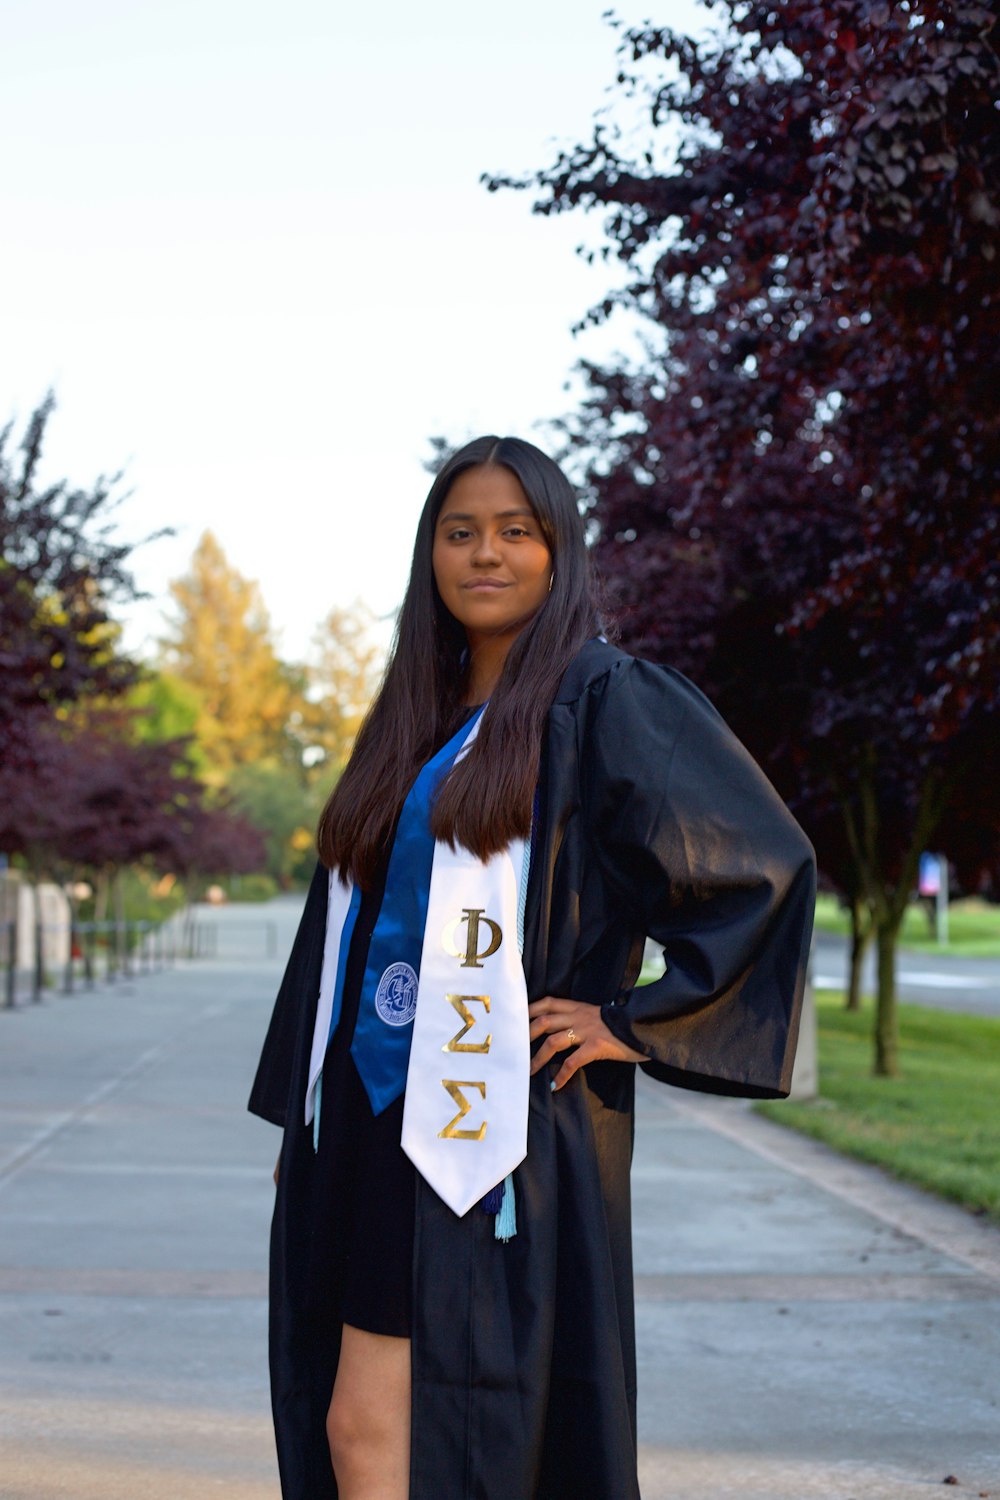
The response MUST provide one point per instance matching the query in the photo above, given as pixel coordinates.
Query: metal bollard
(68, 981)
(11, 986)
(89, 950)
(36, 978)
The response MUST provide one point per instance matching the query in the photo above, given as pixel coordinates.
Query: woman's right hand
(574, 1024)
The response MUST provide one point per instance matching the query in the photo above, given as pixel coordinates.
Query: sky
(248, 248)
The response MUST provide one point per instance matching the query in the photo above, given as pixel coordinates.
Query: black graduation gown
(653, 820)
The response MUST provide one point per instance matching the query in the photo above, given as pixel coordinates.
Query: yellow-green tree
(165, 708)
(343, 677)
(220, 645)
(277, 801)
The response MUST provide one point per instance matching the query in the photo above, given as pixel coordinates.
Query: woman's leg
(368, 1424)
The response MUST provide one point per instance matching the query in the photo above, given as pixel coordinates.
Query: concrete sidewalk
(806, 1328)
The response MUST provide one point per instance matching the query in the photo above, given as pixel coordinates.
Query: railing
(95, 950)
(108, 951)
(232, 938)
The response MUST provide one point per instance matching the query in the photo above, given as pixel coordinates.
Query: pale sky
(248, 247)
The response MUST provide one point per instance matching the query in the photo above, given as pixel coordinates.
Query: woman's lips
(484, 585)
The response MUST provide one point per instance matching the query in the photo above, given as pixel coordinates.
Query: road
(946, 983)
(808, 1330)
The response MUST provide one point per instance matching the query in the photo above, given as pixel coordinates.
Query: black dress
(362, 1170)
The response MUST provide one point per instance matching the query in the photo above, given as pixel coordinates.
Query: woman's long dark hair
(486, 800)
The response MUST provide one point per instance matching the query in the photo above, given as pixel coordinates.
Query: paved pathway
(807, 1329)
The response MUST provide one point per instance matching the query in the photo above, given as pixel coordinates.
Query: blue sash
(381, 1044)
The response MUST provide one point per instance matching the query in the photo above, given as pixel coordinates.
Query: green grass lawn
(938, 1125)
(973, 927)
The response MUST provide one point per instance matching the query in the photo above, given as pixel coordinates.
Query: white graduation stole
(465, 1115)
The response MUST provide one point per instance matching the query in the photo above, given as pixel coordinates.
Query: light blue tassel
(316, 1108)
(505, 1224)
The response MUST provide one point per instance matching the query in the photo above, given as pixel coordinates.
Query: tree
(164, 707)
(797, 487)
(343, 679)
(101, 801)
(95, 766)
(61, 570)
(220, 645)
(275, 800)
(216, 840)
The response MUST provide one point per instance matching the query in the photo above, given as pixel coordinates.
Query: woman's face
(491, 562)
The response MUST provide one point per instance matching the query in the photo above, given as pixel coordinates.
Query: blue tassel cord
(499, 1202)
(505, 1224)
(494, 1198)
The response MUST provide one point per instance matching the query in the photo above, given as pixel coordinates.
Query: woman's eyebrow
(501, 515)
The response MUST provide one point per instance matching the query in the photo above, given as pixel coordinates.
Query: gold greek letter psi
(454, 1087)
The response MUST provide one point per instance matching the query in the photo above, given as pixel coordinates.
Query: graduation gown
(653, 820)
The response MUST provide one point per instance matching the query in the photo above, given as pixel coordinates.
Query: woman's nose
(486, 550)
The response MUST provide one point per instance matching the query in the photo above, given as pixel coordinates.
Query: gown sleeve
(294, 1010)
(699, 853)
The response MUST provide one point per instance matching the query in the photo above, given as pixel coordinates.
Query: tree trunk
(886, 1012)
(887, 902)
(101, 924)
(121, 935)
(38, 976)
(101, 896)
(861, 934)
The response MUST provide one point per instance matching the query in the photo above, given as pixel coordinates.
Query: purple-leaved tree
(796, 486)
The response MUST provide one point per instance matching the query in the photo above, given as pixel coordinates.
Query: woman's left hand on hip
(573, 1024)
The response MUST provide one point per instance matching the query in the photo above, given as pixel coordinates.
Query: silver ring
(571, 1037)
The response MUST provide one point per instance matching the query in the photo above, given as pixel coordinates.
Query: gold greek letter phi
(455, 1087)
(456, 1044)
(474, 916)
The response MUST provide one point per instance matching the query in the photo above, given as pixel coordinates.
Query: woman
(605, 798)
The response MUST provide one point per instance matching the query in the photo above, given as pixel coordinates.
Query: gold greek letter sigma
(473, 915)
(455, 1087)
(456, 1044)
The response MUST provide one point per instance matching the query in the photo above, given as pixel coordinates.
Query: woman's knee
(367, 1422)
(366, 1448)
(349, 1430)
